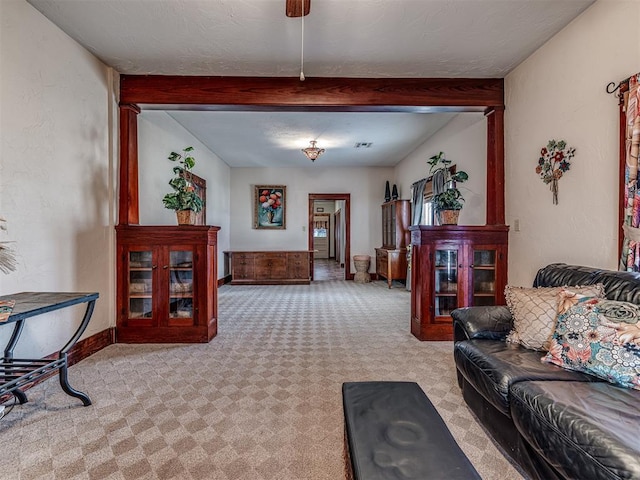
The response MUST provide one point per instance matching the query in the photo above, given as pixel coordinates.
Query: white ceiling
(342, 38)
(259, 139)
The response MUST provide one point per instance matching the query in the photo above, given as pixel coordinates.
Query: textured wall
(559, 92)
(158, 136)
(366, 186)
(464, 141)
(57, 182)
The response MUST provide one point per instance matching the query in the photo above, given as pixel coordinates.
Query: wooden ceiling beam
(352, 94)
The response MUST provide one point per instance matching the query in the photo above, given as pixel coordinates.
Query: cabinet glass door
(140, 273)
(181, 284)
(484, 277)
(445, 282)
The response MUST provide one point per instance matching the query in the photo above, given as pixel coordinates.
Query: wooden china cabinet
(454, 266)
(166, 284)
(391, 258)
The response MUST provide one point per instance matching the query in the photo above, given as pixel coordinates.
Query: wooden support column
(495, 165)
(128, 209)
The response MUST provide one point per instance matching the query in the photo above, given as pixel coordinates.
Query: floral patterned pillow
(597, 336)
(534, 312)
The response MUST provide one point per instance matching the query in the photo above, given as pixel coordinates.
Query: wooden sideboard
(270, 268)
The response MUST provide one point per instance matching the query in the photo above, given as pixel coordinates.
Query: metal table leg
(64, 380)
(8, 354)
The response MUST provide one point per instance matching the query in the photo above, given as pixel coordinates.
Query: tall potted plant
(447, 199)
(184, 199)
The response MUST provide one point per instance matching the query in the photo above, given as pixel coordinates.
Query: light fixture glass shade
(312, 152)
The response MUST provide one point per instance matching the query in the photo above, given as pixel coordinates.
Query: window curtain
(416, 199)
(630, 257)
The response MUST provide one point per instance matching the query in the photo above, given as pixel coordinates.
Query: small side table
(16, 373)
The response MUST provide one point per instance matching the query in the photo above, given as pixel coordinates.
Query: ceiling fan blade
(294, 8)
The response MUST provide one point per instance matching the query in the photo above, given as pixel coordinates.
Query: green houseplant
(447, 198)
(184, 199)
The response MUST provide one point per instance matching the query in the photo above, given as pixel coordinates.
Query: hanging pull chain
(302, 43)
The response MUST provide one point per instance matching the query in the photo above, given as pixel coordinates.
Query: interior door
(321, 236)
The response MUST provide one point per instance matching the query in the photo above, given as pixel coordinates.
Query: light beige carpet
(261, 401)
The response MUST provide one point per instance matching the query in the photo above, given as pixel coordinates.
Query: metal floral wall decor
(553, 163)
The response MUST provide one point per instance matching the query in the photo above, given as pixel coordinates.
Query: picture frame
(270, 207)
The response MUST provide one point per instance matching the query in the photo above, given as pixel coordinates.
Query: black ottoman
(392, 431)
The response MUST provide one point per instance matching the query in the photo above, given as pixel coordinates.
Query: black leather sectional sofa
(554, 423)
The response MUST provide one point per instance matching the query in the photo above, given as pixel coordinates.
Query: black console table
(15, 373)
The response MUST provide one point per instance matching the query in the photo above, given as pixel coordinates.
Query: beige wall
(158, 136)
(464, 141)
(559, 93)
(366, 187)
(58, 172)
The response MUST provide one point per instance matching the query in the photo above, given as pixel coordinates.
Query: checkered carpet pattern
(261, 401)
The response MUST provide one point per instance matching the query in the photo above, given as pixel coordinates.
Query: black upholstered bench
(392, 431)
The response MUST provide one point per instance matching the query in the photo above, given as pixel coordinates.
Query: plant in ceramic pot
(447, 198)
(184, 199)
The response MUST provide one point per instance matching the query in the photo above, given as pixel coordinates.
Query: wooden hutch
(391, 258)
(454, 266)
(167, 284)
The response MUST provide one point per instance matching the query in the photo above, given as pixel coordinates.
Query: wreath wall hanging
(553, 163)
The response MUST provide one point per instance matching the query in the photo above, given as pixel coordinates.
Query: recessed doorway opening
(329, 236)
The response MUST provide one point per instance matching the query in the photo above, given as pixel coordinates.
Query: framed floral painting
(269, 206)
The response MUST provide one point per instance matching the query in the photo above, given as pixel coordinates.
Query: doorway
(324, 244)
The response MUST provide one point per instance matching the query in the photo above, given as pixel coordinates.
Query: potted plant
(184, 199)
(447, 199)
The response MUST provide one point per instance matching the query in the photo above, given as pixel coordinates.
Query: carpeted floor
(261, 401)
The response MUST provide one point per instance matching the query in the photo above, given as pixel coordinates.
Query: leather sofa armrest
(491, 323)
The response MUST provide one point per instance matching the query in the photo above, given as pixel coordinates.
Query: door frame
(337, 247)
(347, 228)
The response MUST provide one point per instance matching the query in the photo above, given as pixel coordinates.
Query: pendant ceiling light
(312, 152)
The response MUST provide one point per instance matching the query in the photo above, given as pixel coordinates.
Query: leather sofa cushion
(560, 274)
(584, 430)
(622, 286)
(492, 366)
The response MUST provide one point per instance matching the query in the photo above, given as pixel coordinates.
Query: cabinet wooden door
(243, 266)
(448, 280)
(298, 265)
(139, 284)
(180, 281)
(486, 280)
(271, 266)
